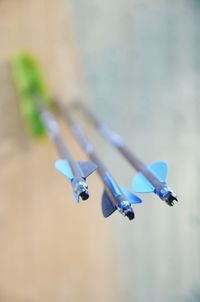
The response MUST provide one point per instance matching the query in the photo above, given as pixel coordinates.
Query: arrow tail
(107, 206)
(142, 185)
(64, 168)
(159, 170)
(87, 168)
(130, 196)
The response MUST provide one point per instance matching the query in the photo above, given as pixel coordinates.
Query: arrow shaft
(54, 134)
(89, 150)
(116, 141)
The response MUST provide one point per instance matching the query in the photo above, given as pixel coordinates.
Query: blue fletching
(130, 196)
(87, 167)
(76, 196)
(141, 184)
(159, 170)
(107, 206)
(63, 167)
(112, 185)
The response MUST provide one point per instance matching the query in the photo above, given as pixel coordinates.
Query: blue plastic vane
(112, 185)
(63, 167)
(76, 196)
(130, 196)
(107, 206)
(159, 170)
(142, 185)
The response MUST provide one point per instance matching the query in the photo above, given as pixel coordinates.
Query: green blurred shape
(30, 84)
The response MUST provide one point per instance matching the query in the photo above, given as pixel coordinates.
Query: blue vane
(160, 170)
(63, 167)
(107, 206)
(76, 196)
(140, 182)
(87, 168)
(112, 185)
(130, 196)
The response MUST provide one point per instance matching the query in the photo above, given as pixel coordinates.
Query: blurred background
(136, 64)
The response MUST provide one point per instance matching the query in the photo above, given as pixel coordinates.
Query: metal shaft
(116, 141)
(54, 133)
(84, 142)
(88, 148)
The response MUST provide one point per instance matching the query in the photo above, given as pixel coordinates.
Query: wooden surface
(51, 248)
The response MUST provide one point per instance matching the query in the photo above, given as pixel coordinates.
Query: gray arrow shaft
(54, 134)
(116, 141)
(84, 141)
(89, 150)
